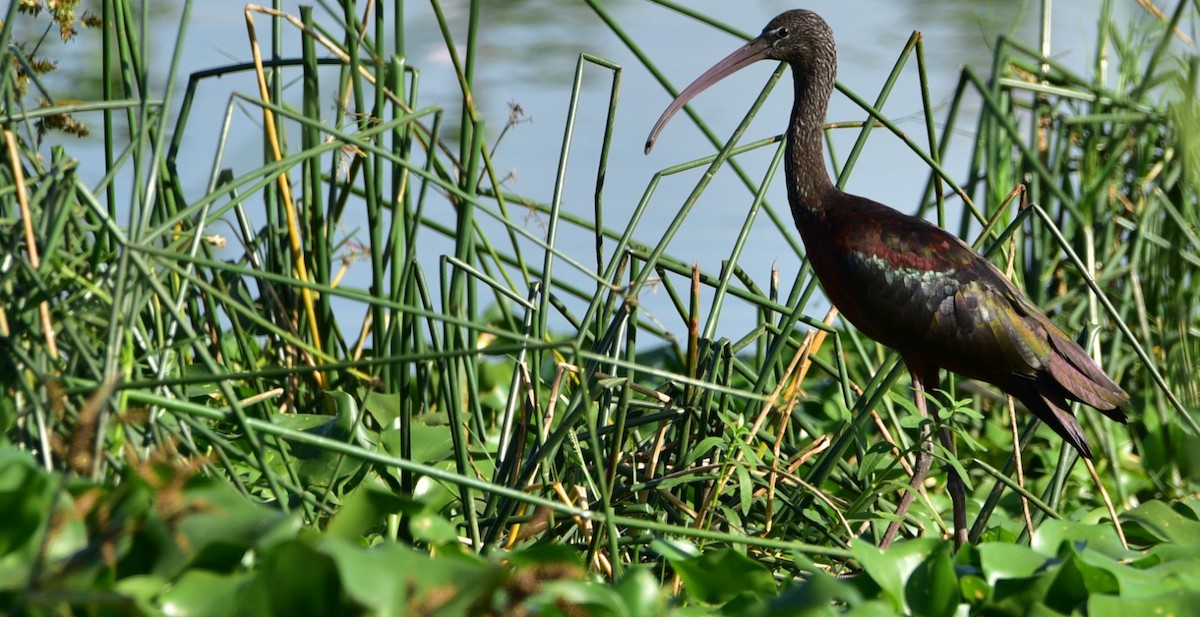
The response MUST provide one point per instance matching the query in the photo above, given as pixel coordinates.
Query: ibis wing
(921, 290)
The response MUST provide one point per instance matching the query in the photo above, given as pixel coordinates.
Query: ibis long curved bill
(748, 54)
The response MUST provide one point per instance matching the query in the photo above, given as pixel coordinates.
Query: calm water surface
(528, 55)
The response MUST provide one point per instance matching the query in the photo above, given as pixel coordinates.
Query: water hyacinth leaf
(430, 443)
(202, 593)
(1021, 595)
(8, 406)
(193, 327)
(319, 466)
(26, 494)
(447, 585)
(495, 379)
(1050, 536)
(891, 569)
(382, 577)
(999, 560)
(1164, 567)
(546, 554)
(873, 608)
(974, 590)
(432, 528)
(577, 598)
(1188, 507)
(320, 423)
(436, 494)
(1131, 580)
(372, 577)
(718, 576)
(296, 579)
(640, 592)
(1154, 522)
(817, 594)
(932, 588)
(384, 407)
(147, 591)
(220, 527)
(1074, 581)
(674, 549)
(366, 508)
(1176, 602)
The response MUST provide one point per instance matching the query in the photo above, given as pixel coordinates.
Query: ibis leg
(920, 470)
(921, 465)
(922, 380)
(958, 492)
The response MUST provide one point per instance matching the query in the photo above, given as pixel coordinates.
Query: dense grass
(168, 360)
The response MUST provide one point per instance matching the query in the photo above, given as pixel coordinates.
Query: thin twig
(18, 171)
(289, 206)
(1112, 512)
(1012, 414)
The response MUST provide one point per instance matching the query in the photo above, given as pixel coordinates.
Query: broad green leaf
(319, 466)
(674, 549)
(384, 407)
(640, 592)
(1176, 603)
(1152, 576)
(431, 443)
(974, 590)
(436, 494)
(546, 554)
(376, 577)
(8, 408)
(1189, 508)
(1154, 522)
(299, 580)
(873, 608)
(219, 528)
(891, 569)
(202, 593)
(366, 508)
(433, 529)
(1020, 594)
(495, 380)
(719, 576)
(147, 592)
(815, 596)
(577, 598)
(1075, 581)
(26, 497)
(446, 585)
(1049, 537)
(932, 587)
(1008, 561)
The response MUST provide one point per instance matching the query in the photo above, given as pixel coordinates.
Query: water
(528, 55)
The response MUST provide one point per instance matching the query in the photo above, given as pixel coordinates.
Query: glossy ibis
(907, 283)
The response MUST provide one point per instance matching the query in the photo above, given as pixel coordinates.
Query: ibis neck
(807, 181)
